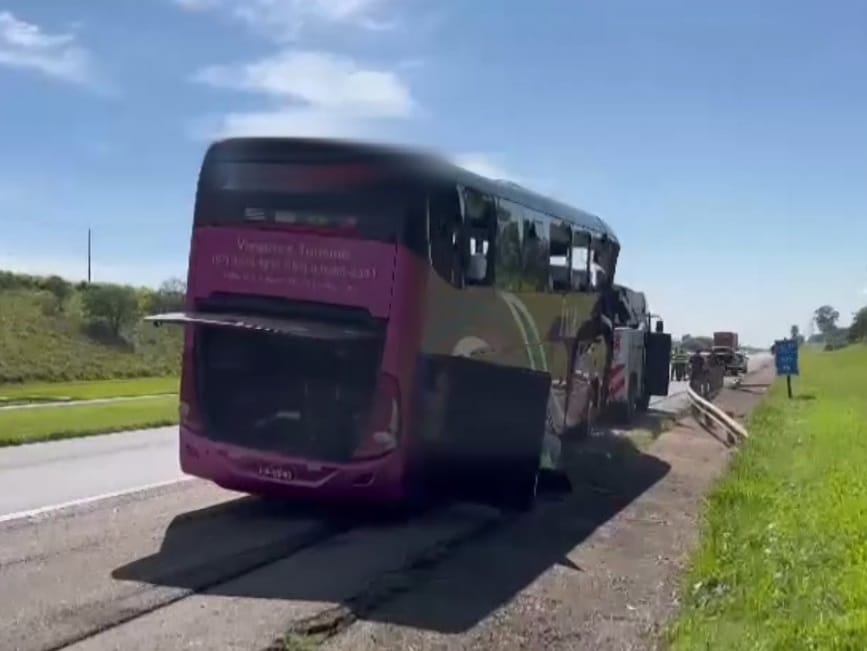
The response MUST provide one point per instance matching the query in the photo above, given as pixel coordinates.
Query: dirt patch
(596, 570)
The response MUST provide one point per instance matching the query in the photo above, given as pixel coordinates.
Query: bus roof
(264, 148)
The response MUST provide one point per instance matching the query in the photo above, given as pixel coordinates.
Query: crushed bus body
(370, 324)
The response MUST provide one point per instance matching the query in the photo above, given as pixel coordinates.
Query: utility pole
(89, 256)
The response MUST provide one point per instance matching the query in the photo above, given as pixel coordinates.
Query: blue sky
(725, 142)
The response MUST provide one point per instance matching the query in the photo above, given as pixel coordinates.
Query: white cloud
(26, 46)
(292, 122)
(284, 19)
(484, 164)
(312, 93)
(317, 79)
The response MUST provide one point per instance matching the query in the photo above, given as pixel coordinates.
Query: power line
(89, 256)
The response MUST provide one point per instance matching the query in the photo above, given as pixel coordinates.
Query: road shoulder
(567, 576)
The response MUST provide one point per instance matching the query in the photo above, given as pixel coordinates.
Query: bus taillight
(384, 427)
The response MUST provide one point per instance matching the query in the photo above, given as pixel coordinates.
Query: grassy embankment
(51, 352)
(783, 558)
(38, 392)
(19, 426)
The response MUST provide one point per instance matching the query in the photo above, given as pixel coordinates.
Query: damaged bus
(371, 324)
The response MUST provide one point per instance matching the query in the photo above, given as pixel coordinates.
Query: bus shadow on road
(607, 474)
(448, 592)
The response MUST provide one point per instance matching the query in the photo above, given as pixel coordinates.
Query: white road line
(76, 403)
(43, 510)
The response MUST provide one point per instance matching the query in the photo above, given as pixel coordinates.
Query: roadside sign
(786, 356)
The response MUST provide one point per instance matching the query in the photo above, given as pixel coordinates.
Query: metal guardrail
(715, 413)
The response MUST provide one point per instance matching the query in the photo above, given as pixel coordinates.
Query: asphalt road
(193, 566)
(189, 565)
(45, 475)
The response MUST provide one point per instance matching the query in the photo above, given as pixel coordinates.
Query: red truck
(726, 339)
(725, 348)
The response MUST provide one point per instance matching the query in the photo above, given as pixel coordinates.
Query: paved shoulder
(597, 571)
(44, 474)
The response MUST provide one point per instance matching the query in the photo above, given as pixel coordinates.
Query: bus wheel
(644, 401)
(520, 494)
(631, 400)
(585, 427)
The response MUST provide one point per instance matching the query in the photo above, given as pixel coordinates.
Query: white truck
(641, 356)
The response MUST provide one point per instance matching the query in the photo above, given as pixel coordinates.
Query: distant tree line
(833, 336)
(690, 343)
(107, 306)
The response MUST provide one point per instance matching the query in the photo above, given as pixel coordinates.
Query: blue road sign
(786, 356)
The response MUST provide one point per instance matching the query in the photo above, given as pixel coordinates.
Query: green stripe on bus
(527, 324)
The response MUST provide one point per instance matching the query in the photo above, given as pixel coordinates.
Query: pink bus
(368, 324)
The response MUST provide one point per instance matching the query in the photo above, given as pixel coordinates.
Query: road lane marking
(43, 510)
(76, 403)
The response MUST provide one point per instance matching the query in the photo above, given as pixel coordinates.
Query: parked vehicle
(368, 324)
(640, 367)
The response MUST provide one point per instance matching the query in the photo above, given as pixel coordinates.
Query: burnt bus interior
(308, 396)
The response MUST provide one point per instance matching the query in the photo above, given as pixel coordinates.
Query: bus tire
(520, 495)
(585, 428)
(644, 401)
(631, 404)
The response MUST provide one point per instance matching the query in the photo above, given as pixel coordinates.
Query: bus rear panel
(303, 311)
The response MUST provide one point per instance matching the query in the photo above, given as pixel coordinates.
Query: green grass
(38, 344)
(783, 558)
(58, 391)
(50, 423)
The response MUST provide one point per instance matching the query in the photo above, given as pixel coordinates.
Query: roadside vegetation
(18, 426)
(14, 394)
(783, 558)
(52, 330)
(63, 341)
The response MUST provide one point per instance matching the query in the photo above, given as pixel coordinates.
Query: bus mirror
(660, 326)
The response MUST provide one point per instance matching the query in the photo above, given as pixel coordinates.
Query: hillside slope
(38, 343)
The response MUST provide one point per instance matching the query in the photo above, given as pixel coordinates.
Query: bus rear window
(359, 197)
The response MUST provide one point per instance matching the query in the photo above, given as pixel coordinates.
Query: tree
(858, 329)
(826, 319)
(114, 305)
(795, 333)
(171, 296)
(59, 289)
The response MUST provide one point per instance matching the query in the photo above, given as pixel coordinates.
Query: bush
(39, 343)
(115, 306)
(858, 329)
(170, 297)
(59, 289)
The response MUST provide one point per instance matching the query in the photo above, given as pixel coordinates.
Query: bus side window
(560, 257)
(480, 228)
(535, 252)
(444, 219)
(581, 281)
(602, 262)
(507, 273)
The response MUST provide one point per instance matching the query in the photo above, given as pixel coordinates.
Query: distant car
(742, 363)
